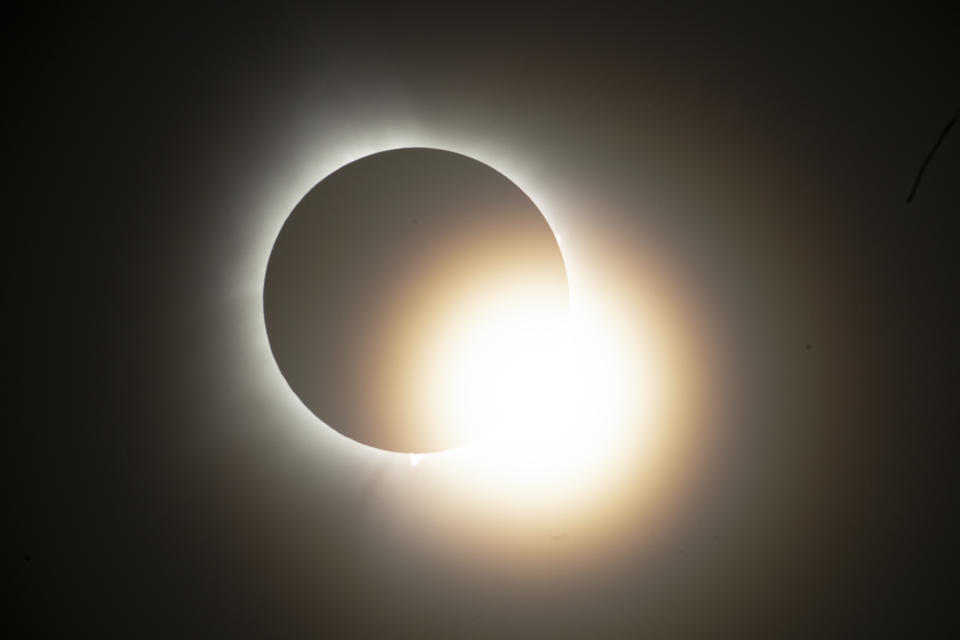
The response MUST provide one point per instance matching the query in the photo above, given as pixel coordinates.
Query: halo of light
(635, 399)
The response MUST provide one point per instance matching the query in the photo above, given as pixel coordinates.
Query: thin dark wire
(926, 161)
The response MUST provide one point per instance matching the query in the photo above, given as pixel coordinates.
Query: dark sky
(760, 159)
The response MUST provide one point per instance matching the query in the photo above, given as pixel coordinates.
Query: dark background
(766, 153)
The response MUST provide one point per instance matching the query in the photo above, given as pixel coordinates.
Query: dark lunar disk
(362, 264)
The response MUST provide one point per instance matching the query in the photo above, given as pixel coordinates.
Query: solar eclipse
(694, 384)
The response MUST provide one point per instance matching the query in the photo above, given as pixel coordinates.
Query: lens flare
(494, 361)
(566, 406)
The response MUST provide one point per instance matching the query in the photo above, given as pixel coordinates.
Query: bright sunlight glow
(563, 395)
(494, 362)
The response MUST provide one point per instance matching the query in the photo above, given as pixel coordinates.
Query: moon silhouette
(371, 268)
